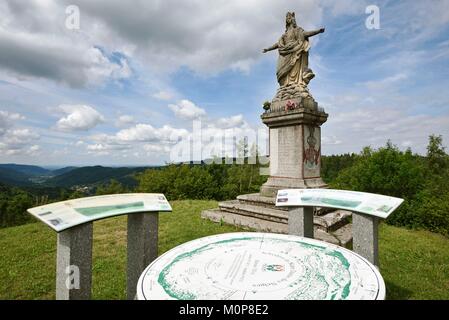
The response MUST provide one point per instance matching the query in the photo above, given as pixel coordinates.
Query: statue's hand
(265, 50)
(322, 30)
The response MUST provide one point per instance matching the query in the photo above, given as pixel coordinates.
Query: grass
(414, 264)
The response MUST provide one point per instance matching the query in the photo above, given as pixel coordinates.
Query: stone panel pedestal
(295, 149)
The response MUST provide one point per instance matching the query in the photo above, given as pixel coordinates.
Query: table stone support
(300, 221)
(142, 246)
(74, 263)
(365, 236)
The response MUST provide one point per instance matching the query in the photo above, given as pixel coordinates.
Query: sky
(134, 79)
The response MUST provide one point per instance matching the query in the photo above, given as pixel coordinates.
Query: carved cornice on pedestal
(294, 117)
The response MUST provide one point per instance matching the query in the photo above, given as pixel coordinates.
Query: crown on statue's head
(290, 14)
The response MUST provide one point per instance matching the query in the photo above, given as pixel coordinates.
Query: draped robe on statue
(293, 63)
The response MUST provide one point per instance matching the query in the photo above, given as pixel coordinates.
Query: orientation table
(260, 266)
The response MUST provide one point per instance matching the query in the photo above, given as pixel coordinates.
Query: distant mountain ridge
(95, 175)
(34, 176)
(14, 178)
(26, 169)
(58, 172)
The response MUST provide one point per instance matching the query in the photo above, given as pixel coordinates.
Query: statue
(293, 72)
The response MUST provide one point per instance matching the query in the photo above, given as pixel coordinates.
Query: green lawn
(414, 264)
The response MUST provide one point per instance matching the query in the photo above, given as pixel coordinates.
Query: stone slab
(142, 247)
(234, 206)
(333, 220)
(249, 222)
(365, 236)
(294, 117)
(300, 222)
(275, 183)
(330, 221)
(74, 263)
(344, 235)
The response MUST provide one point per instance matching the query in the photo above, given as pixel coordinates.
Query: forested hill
(16, 175)
(13, 177)
(95, 175)
(26, 169)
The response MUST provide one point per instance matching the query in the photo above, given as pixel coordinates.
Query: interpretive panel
(66, 214)
(367, 203)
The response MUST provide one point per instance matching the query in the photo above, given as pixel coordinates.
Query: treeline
(423, 181)
(213, 181)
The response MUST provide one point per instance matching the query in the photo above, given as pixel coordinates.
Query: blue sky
(138, 73)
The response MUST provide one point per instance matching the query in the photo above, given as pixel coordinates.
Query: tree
(436, 155)
(113, 187)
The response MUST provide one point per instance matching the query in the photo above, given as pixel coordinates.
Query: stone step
(258, 200)
(260, 212)
(256, 224)
(344, 235)
(332, 220)
(329, 222)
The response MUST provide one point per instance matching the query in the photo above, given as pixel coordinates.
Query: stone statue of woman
(293, 72)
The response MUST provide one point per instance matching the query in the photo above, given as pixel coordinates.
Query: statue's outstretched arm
(312, 33)
(273, 47)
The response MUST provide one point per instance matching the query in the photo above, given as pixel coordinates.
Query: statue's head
(290, 19)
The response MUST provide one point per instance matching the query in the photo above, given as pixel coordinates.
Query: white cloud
(7, 120)
(151, 148)
(387, 82)
(16, 141)
(186, 109)
(125, 120)
(13, 140)
(34, 150)
(207, 37)
(147, 133)
(132, 138)
(79, 118)
(34, 43)
(163, 95)
(230, 122)
(105, 149)
(350, 131)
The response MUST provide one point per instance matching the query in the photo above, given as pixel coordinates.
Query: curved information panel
(66, 214)
(367, 203)
(264, 266)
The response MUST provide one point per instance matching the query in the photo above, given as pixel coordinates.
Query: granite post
(300, 221)
(142, 247)
(74, 263)
(365, 236)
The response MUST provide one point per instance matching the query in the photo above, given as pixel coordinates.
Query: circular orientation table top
(260, 266)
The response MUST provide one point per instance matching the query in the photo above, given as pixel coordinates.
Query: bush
(214, 181)
(423, 183)
(13, 205)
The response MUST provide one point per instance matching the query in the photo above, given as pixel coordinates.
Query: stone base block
(343, 238)
(273, 184)
(256, 212)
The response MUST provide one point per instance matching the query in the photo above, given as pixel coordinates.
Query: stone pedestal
(365, 237)
(74, 263)
(142, 247)
(300, 221)
(295, 149)
(295, 163)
